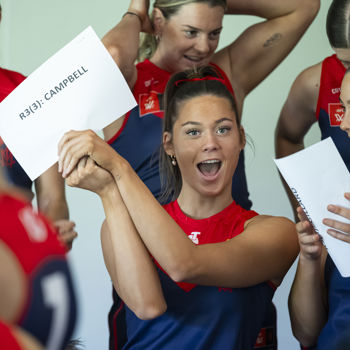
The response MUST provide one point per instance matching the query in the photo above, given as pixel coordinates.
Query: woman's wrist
(110, 194)
(133, 14)
(120, 168)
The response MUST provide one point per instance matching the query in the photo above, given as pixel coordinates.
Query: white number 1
(55, 296)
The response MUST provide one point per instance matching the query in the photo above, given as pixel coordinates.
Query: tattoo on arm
(273, 40)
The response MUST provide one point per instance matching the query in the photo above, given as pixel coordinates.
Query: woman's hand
(89, 176)
(66, 232)
(310, 242)
(336, 225)
(141, 8)
(74, 145)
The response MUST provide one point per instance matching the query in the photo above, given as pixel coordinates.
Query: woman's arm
(297, 116)
(127, 260)
(261, 47)
(51, 199)
(307, 299)
(122, 41)
(264, 251)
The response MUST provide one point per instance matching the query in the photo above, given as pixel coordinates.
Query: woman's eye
(215, 35)
(192, 132)
(190, 33)
(223, 130)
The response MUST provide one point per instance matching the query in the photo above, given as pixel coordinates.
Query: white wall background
(33, 30)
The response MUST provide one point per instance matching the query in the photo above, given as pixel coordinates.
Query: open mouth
(209, 167)
(193, 59)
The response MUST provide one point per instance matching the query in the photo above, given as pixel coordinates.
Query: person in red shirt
(191, 273)
(49, 187)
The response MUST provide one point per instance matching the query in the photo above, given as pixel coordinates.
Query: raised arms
(296, 118)
(261, 47)
(267, 247)
(128, 262)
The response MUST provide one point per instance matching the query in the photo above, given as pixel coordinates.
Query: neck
(158, 60)
(198, 206)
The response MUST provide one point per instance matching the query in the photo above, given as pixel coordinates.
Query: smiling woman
(197, 292)
(184, 34)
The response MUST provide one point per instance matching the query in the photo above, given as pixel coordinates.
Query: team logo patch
(336, 113)
(194, 237)
(149, 103)
(6, 157)
(265, 339)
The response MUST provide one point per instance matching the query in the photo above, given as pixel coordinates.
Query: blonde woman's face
(190, 37)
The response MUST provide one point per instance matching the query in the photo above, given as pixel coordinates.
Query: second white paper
(318, 176)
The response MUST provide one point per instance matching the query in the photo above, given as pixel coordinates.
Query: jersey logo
(150, 103)
(265, 338)
(335, 91)
(6, 157)
(34, 226)
(194, 237)
(336, 113)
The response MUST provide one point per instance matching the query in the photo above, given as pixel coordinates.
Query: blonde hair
(168, 8)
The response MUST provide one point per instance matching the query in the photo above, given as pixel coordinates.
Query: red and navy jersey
(9, 80)
(336, 332)
(7, 339)
(204, 317)
(49, 309)
(140, 136)
(329, 112)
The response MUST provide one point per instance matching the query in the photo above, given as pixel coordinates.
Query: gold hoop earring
(173, 160)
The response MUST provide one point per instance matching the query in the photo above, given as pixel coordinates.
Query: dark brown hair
(182, 87)
(338, 24)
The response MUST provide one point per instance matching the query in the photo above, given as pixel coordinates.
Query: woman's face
(206, 142)
(345, 101)
(190, 37)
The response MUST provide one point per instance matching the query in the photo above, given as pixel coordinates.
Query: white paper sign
(80, 87)
(318, 176)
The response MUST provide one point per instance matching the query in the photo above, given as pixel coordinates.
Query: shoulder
(29, 235)
(12, 75)
(271, 220)
(302, 99)
(272, 227)
(308, 81)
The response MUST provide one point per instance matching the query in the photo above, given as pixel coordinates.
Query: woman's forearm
(306, 302)
(128, 262)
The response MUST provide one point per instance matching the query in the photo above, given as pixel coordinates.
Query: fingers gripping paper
(317, 176)
(80, 87)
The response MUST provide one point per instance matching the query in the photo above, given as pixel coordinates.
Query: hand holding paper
(339, 226)
(309, 241)
(80, 87)
(323, 180)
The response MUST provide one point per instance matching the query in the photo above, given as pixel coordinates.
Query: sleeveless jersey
(329, 112)
(139, 140)
(335, 334)
(204, 317)
(49, 312)
(7, 338)
(140, 136)
(15, 174)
